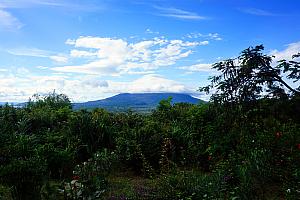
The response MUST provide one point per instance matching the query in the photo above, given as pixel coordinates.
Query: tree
(52, 101)
(251, 76)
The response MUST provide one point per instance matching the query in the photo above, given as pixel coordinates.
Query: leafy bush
(89, 178)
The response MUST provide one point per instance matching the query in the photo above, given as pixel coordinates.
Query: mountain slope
(136, 101)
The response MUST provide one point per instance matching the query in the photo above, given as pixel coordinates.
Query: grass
(128, 185)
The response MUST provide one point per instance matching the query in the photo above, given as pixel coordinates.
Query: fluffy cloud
(22, 84)
(116, 56)
(287, 53)
(18, 87)
(59, 59)
(82, 54)
(101, 67)
(209, 36)
(96, 83)
(155, 83)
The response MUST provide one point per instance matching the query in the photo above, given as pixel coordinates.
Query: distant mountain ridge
(136, 101)
(9, 103)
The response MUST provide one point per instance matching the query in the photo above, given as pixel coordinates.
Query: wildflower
(76, 177)
(278, 134)
(288, 190)
(73, 182)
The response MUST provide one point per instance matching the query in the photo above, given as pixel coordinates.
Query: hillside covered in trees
(138, 102)
(243, 144)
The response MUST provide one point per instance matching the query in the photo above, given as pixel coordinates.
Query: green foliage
(246, 147)
(50, 101)
(5, 193)
(165, 104)
(243, 79)
(89, 178)
(191, 185)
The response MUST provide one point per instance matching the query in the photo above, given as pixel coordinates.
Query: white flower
(288, 190)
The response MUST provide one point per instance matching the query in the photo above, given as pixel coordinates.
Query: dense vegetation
(244, 144)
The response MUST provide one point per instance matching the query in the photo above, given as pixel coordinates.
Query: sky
(93, 49)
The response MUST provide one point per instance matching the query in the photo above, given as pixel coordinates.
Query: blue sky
(92, 49)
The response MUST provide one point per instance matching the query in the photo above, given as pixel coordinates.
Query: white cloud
(140, 72)
(201, 67)
(214, 36)
(59, 59)
(22, 70)
(33, 52)
(101, 67)
(179, 13)
(97, 42)
(9, 22)
(19, 85)
(209, 36)
(70, 42)
(156, 83)
(287, 53)
(93, 58)
(144, 84)
(81, 54)
(204, 42)
(95, 82)
(108, 56)
(41, 67)
(149, 31)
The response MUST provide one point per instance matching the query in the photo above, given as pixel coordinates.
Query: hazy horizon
(72, 101)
